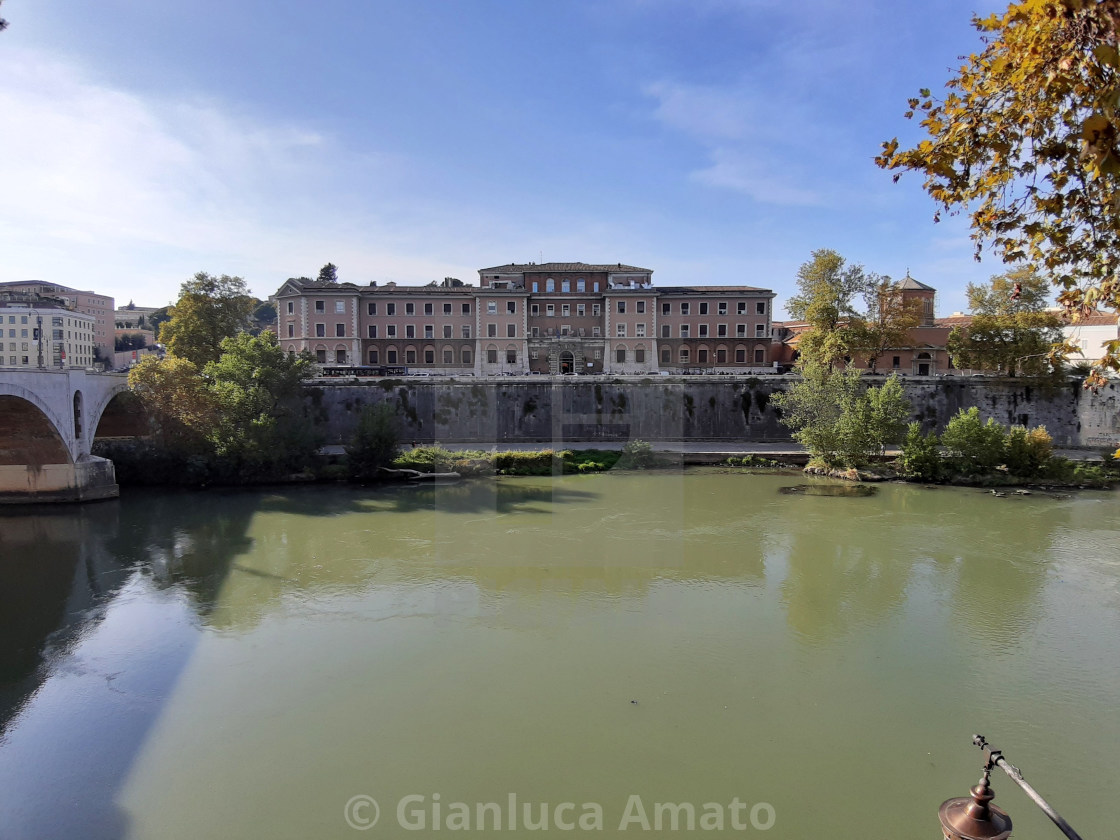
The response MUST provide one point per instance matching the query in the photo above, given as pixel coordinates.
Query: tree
(328, 273)
(825, 300)
(974, 446)
(375, 442)
(130, 341)
(180, 408)
(887, 322)
(209, 309)
(1027, 141)
(1011, 330)
(263, 316)
(157, 318)
(257, 388)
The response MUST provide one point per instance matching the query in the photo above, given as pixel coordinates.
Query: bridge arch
(60, 425)
(29, 435)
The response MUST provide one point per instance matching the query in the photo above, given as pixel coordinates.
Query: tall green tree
(886, 324)
(828, 289)
(209, 309)
(328, 273)
(180, 407)
(1026, 140)
(1011, 329)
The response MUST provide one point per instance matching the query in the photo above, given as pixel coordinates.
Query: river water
(246, 664)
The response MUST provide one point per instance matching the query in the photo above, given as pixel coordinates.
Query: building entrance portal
(567, 362)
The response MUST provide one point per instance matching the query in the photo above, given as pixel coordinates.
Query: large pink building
(549, 318)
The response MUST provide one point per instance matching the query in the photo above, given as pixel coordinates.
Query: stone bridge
(48, 421)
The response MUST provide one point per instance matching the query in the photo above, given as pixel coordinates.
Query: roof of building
(1097, 319)
(521, 268)
(910, 284)
(682, 290)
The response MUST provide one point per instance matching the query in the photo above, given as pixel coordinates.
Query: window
(320, 306)
(339, 330)
(391, 356)
(704, 307)
(511, 355)
(896, 362)
(536, 287)
(549, 310)
(622, 307)
(565, 285)
(703, 329)
(340, 356)
(759, 356)
(721, 330)
(466, 309)
(391, 330)
(339, 307)
(409, 356)
(620, 355)
(535, 309)
(320, 330)
(447, 309)
(620, 330)
(664, 330)
(466, 331)
(595, 286)
(410, 331)
(429, 331)
(665, 356)
(581, 285)
(740, 355)
(448, 356)
(595, 332)
(741, 308)
(492, 355)
(534, 355)
(684, 356)
(291, 330)
(291, 307)
(511, 330)
(447, 331)
(760, 330)
(373, 356)
(565, 329)
(721, 355)
(641, 307)
(741, 330)
(549, 285)
(566, 309)
(390, 309)
(722, 306)
(581, 309)
(760, 307)
(684, 308)
(535, 331)
(371, 308)
(640, 330)
(466, 355)
(598, 354)
(702, 356)
(427, 309)
(665, 308)
(639, 355)
(321, 355)
(491, 307)
(429, 357)
(410, 309)
(511, 307)
(595, 310)
(684, 330)
(491, 330)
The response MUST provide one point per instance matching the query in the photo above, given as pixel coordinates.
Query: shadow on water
(851, 491)
(99, 607)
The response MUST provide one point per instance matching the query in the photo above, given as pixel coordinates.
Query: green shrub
(525, 463)
(375, 442)
(921, 456)
(637, 455)
(1028, 451)
(973, 446)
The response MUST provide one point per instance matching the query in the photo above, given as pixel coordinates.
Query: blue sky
(714, 141)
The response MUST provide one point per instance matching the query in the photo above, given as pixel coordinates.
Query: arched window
(581, 285)
(511, 354)
(620, 353)
(760, 354)
(740, 354)
(640, 354)
(340, 354)
(321, 354)
(429, 355)
(491, 354)
(550, 285)
(410, 355)
(721, 355)
(565, 285)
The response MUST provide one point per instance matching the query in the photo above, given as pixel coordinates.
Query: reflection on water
(240, 664)
(852, 491)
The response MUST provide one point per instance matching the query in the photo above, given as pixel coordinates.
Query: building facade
(38, 332)
(549, 318)
(97, 306)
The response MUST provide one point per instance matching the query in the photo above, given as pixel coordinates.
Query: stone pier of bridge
(48, 421)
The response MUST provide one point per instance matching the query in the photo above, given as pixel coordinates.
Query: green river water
(245, 664)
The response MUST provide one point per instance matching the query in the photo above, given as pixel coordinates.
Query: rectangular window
(620, 355)
(640, 355)
(511, 330)
(391, 330)
(466, 309)
(466, 331)
(760, 307)
(704, 307)
(511, 307)
(760, 330)
(740, 355)
(595, 286)
(320, 306)
(684, 330)
(448, 356)
(291, 307)
(511, 357)
(535, 309)
(684, 356)
(373, 356)
(429, 331)
(549, 310)
(581, 285)
(428, 309)
(664, 330)
(410, 331)
(640, 330)
(321, 356)
(598, 354)
(760, 356)
(622, 307)
(741, 308)
(581, 310)
(721, 330)
(373, 330)
(340, 357)
(595, 332)
(429, 357)
(410, 357)
(339, 307)
(390, 309)
(339, 330)
(291, 330)
(595, 310)
(565, 309)
(447, 331)
(391, 356)
(684, 308)
(565, 329)
(447, 309)
(320, 330)
(896, 362)
(491, 307)
(410, 309)
(535, 332)
(641, 307)
(491, 330)
(665, 308)
(702, 356)
(620, 330)
(722, 307)
(466, 356)
(371, 308)
(721, 356)
(665, 356)
(740, 330)
(492, 355)
(703, 330)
